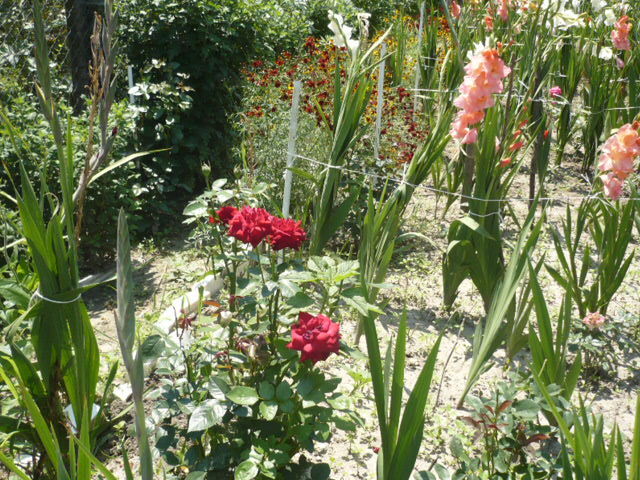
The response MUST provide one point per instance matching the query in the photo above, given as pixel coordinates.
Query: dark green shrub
(188, 58)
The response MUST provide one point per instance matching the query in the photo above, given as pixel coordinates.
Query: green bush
(188, 58)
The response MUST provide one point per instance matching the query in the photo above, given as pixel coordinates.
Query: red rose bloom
(286, 233)
(225, 214)
(251, 225)
(316, 337)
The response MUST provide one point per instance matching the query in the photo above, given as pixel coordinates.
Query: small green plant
(505, 428)
(401, 429)
(591, 272)
(602, 341)
(548, 350)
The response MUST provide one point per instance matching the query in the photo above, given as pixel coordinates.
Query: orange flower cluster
(316, 68)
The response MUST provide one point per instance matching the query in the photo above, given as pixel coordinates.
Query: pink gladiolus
(456, 11)
(619, 63)
(555, 91)
(620, 151)
(594, 320)
(612, 186)
(617, 160)
(503, 11)
(620, 35)
(484, 74)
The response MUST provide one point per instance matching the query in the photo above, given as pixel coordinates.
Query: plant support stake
(417, 82)
(376, 146)
(132, 97)
(291, 148)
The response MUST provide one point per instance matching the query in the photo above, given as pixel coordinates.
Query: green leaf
(412, 425)
(246, 470)
(122, 161)
(300, 301)
(474, 226)
(243, 395)
(197, 208)
(266, 390)
(15, 293)
(397, 386)
(205, 416)
(340, 402)
(268, 409)
(283, 392)
(12, 467)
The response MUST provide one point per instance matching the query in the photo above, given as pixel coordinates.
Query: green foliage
(400, 430)
(81, 460)
(549, 351)
(505, 427)
(36, 147)
(187, 58)
(126, 329)
(492, 333)
(350, 102)
(593, 278)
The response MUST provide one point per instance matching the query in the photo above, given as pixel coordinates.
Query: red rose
(251, 225)
(316, 337)
(225, 214)
(286, 233)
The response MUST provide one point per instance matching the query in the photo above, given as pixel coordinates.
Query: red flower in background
(251, 225)
(286, 233)
(316, 337)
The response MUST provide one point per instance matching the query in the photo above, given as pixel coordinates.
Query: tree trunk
(80, 17)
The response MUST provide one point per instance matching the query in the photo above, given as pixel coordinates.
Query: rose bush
(234, 394)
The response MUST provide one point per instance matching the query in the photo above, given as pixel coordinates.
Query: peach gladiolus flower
(617, 160)
(612, 186)
(456, 11)
(503, 11)
(620, 151)
(484, 74)
(620, 35)
(488, 21)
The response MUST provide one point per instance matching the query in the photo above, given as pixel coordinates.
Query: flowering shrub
(249, 402)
